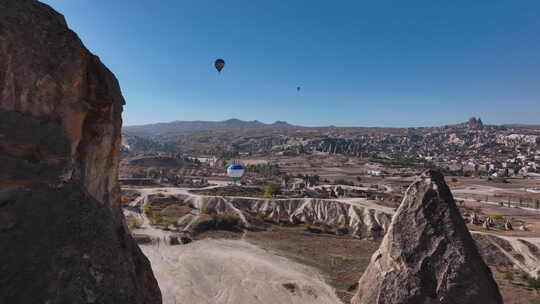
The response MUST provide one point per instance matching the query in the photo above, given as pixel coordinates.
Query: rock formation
(428, 255)
(475, 123)
(364, 222)
(62, 235)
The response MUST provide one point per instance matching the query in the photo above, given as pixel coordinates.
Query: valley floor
(281, 264)
(233, 271)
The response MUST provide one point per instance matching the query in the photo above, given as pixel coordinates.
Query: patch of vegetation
(165, 215)
(508, 276)
(207, 209)
(312, 229)
(231, 191)
(267, 170)
(534, 283)
(324, 228)
(497, 217)
(342, 181)
(311, 179)
(272, 190)
(154, 216)
(227, 222)
(403, 162)
(133, 222)
(318, 229)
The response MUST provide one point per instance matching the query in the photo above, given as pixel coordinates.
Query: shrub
(534, 283)
(324, 229)
(227, 222)
(272, 190)
(312, 229)
(342, 181)
(155, 217)
(133, 222)
(497, 217)
(207, 209)
(508, 276)
(534, 301)
(454, 180)
(147, 210)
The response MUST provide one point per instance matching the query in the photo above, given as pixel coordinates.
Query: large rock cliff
(427, 256)
(62, 236)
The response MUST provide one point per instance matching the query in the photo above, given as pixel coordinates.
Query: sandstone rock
(60, 125)
(427, 255)
(490, 221)
(474, 219)
(361, 222)
(486, 225)
(508, 226)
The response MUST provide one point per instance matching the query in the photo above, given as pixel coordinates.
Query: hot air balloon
(219, 64)
(297, 88)
(235, 171)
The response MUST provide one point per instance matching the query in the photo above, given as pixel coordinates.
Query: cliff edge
(62, 235)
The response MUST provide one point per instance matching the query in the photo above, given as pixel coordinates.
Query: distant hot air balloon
(297, 88)
(235, 171)
(219, 64)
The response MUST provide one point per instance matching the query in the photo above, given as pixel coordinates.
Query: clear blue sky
(363, 63)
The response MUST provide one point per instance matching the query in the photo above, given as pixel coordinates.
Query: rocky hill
(62, 234)
(198, 125)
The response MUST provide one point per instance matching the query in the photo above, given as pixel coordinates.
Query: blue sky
(361, 63)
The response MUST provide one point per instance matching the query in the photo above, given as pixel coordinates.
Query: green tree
(272, 190)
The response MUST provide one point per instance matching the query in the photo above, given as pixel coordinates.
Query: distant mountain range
(199, 125)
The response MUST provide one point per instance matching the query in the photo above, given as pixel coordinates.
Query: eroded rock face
(360, 221)
(62, 237)
(428, 255)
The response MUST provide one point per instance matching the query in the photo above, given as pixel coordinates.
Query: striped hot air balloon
(235, 171)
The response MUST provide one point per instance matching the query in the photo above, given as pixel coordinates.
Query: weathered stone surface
(364, 222)
(62, 237)
(428, 255)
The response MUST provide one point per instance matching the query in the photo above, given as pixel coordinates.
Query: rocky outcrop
(368, 221)
(62, 236)
(428, 255)
(510, 253)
